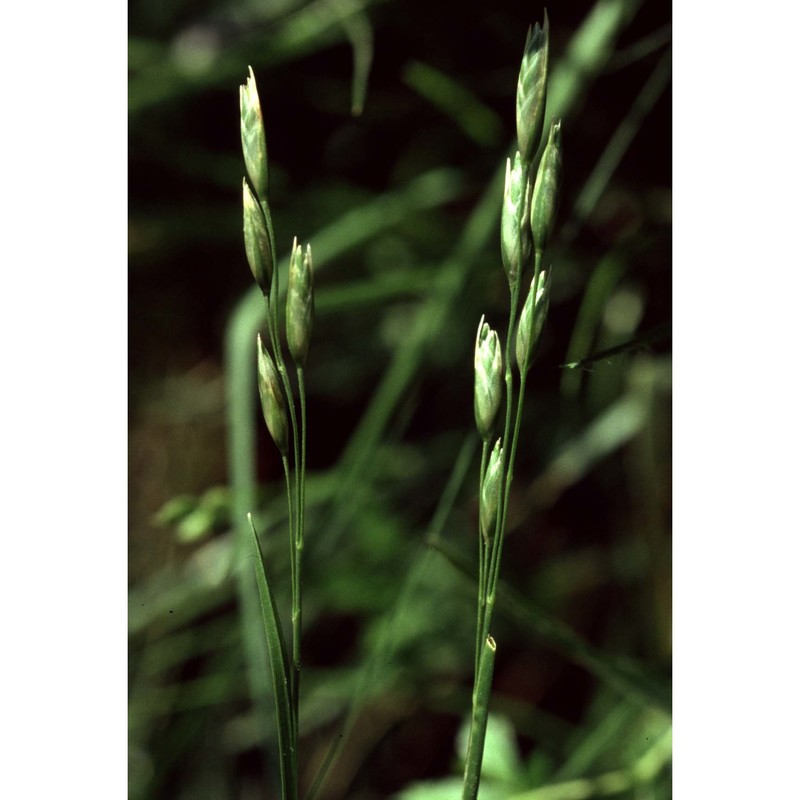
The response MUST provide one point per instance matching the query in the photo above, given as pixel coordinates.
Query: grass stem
(297, 579)
(480, 717)
(482, 553)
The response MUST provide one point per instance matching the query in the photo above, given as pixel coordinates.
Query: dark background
(589, 538)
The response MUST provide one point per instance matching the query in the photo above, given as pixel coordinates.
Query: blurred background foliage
(388, 124)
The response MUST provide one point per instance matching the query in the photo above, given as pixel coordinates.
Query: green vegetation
(347, 544)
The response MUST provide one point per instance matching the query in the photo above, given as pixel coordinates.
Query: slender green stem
(488, 561)
(273, 325)
(537, 266)
(290, 504)
(482, 552)
(281, 365)
(514, 440)
(496, 543)
(488, 567)
(512, 321)
(292, 568)
(301, 383)
(494, 574)
(268, 221)
(480, 717)
(299, 539)
(510, 454)
(294, 499)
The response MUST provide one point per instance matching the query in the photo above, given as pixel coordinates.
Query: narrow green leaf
(278, 661)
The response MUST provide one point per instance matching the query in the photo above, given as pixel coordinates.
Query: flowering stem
(497, 541)
(292, 534)
(297, 583)
(294, 500)
(482, 553)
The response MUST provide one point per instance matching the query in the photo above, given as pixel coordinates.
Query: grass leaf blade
(278, 661)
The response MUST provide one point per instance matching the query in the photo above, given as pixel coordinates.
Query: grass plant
(529, 210)
(388, 658)
(288, 434)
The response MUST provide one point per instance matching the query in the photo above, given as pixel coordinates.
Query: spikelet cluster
(259, 245)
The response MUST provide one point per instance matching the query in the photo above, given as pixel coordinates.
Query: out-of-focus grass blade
(278, 661)
(618, 145)
(610, 430)
(643, 772)
(162, 77)
(475, 119)
(624, 675)
(387, 640)
(599, 288)
(587, 54)
(359, 31)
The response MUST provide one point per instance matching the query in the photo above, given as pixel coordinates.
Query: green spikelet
(490, 492)
(547, 190)
(532, 91)
(300, 303)
(272, 402)
(488, 378)
(256, 240)
(515, 233)
(254, 140)
(531, 321)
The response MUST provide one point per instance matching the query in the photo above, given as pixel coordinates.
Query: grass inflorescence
(529, 212)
